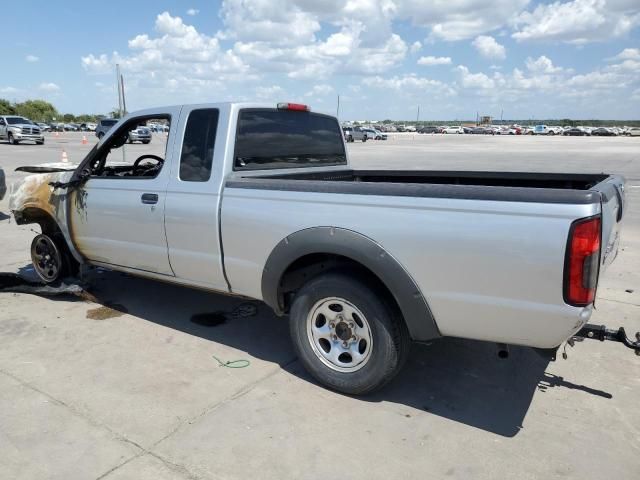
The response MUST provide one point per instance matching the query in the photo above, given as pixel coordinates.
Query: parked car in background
(540, 130)
(88, 127)
(351, 134)
(140, 134)
(515, 130)
(603, 132)
(44, 127)
(429, 129)
(633, 132)
(104, 125)
(575, 132)
(453, 130)
(375, 134)
(554, 130)
(3, 184)
(482, 131)
(15, 129)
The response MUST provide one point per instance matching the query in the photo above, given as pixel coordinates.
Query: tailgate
(613, 198)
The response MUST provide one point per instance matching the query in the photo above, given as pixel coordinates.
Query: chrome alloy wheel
(339, 335)
(46, 258)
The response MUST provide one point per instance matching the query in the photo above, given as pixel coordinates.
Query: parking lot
(125, 385)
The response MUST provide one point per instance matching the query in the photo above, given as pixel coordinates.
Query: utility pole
(418, 115)
(119, 84)
(338, 108)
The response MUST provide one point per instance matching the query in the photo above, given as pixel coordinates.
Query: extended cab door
(117, 216)
(193, 196)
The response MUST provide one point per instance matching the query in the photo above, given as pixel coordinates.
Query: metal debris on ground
(15, 283)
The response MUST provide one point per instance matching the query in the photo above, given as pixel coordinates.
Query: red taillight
(582, 262)
(294, 106)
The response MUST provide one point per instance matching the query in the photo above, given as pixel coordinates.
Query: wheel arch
(306, 253)
(28, 215)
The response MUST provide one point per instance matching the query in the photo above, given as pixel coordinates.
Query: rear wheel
(346, 335)
(364, 139)
(350, 139)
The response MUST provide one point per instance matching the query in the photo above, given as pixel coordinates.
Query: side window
(135, 150)
(2, 121)
(196, 158)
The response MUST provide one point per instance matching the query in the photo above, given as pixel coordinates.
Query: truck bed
(499, 186)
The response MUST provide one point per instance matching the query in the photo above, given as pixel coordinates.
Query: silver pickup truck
(260, 201)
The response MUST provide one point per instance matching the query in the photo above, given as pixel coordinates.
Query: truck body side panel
(489, 270)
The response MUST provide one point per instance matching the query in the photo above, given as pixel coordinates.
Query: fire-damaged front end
(33, 199)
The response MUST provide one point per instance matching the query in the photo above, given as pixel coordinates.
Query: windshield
(18, 121)
(109, 123)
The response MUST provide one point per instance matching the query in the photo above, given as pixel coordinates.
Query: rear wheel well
(309, 266)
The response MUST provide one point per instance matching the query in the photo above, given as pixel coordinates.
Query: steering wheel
(158, 159)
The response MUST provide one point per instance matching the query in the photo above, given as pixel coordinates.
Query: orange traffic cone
(84, 140)
(63, 157)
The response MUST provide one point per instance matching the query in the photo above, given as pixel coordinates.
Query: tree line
(42, 111)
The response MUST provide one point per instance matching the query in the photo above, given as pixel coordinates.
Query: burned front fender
(33, 200)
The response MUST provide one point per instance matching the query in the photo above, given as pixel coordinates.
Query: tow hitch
(602, 333)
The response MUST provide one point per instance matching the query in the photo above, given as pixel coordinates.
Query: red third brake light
(582, 261)
(294, 106)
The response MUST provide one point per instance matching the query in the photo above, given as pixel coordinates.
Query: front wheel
(345, 334)
(51, 259)
(12, 140)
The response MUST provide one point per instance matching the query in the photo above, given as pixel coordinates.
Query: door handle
(149, 198)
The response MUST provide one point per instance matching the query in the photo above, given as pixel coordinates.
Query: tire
(38, 142)
(100, 135)
(12, 141)
(364, 139)
(551, 133)
(370, 326)
(51, 258)
(146, 142)
(349, 139)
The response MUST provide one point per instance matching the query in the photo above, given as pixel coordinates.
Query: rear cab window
(272, 138)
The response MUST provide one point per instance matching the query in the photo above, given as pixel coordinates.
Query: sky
(522, 59)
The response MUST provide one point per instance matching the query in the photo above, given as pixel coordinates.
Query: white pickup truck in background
(260, 201)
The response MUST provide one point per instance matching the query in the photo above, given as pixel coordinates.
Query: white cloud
(193, 12)
(458, 20)
(9, 90)
(319, 90)
(178, 60)
(31, 58)
(578, 21)
(97, 64)
(474, 80)
(430, 60)
(542, 64)
(489, 48)
(416, 47)
(628, 54)
(272, 92)
(410, 83)
(48, 87)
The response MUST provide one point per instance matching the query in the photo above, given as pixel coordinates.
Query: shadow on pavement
(458, 379)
